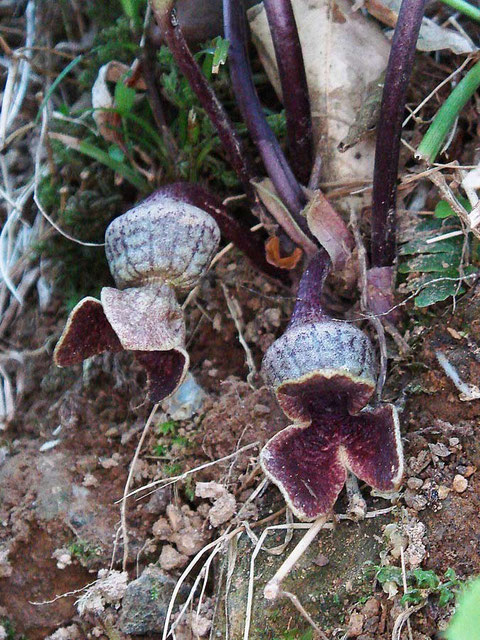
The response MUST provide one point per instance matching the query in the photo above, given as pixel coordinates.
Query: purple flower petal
(86, 334)
(166, 371)
(305, 463)
(146, 318)
(374, 451)
(309, 462)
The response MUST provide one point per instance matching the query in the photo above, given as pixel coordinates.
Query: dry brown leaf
(108, 123)
(272, 249)
(432, 36)
(344, 52)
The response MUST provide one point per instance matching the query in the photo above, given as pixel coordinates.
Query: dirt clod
(459, 484)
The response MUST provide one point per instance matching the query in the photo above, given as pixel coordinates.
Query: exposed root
(303, 612)
(357, 507)
(168, 481)
(123, 508)
(272, 588)
(235, 312)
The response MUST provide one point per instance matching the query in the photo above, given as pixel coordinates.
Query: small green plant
(421, 584)
(154, 593)
(189, 488)
(10, 630)
(434, 269)
(170, 470)
(83, 551)
(465, 623)
(168, 430)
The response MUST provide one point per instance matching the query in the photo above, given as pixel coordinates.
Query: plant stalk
(464, 7)
(433, 140)
(309, 304)
(389, 131)
(272, 155)
(229, 138)
(293, 80)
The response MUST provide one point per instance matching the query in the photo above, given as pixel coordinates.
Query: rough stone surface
(146, 601)
(323, 591)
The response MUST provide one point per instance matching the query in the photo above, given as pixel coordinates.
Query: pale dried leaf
(344, 52)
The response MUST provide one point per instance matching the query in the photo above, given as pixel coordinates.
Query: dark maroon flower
(323, 374)
(160, 246)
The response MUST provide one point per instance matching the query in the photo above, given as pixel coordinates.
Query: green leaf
(116, 153)
(124, 97)
(419, 245)
(443, 210)
(124, 170)
(429, 224)
(426, 579)
(431, 262)
(220, 54)
(446, 595)
(437, 292)
(131, 8)
(413, 596)
(168, 427)
(451, 575)
(465, 624)
(56, 82)
(390, 574)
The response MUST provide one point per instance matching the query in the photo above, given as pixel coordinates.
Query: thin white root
(123, 508)
(168, 481)
(236, 312)
(405, 588)
(272, 588)
(303, 612)
(357, 507)
(468, 391)
(402, 618)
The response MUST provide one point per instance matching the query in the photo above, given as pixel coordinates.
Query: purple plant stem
(234, 232)
(272, 155)
(309, 305)
(293, 80)
(229, 138)
(389, 131)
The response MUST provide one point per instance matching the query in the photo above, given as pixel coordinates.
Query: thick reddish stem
(272, 155)
(389, 130)
(309, 305)
(293, 80)
(230, 139)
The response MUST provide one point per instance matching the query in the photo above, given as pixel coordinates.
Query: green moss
(83, 551)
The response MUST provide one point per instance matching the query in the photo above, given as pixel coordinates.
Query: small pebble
(453, 442)
(90, 480)
(414, 500)
(261, 409)
(460, 483)
(321, 560)
(414, 483)
(371, 608)
(443, 492)
(440, 450)
(355, 625)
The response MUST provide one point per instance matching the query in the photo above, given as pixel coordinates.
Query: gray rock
(326, 592)
(146, 601)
